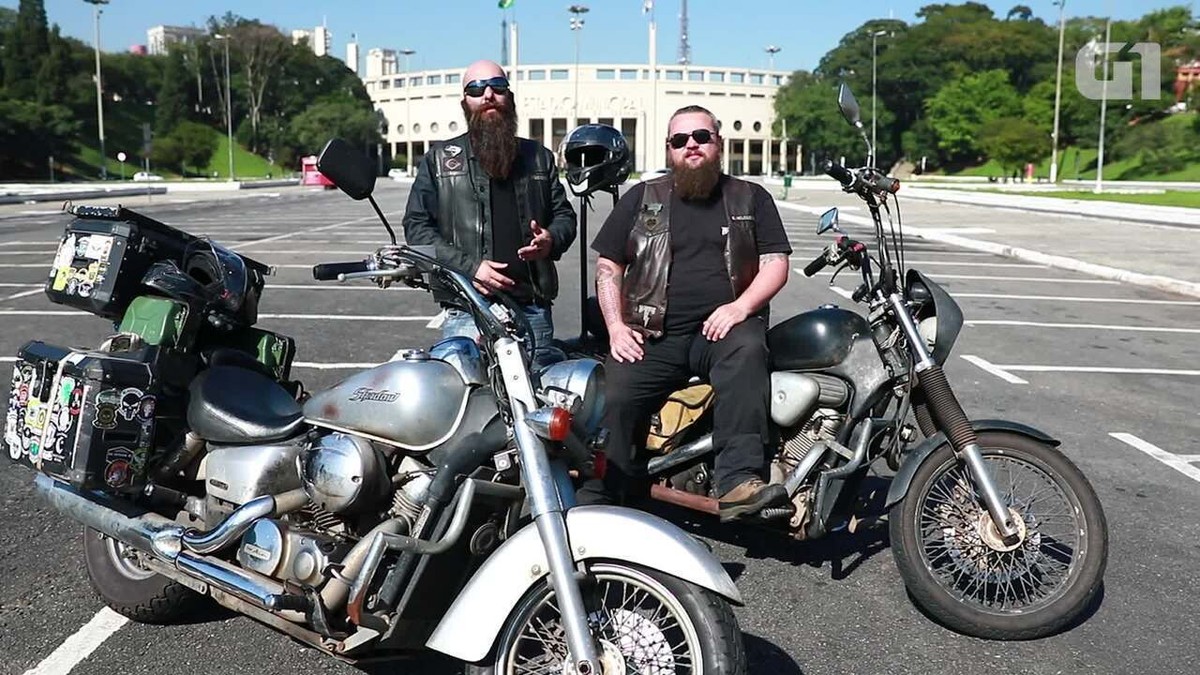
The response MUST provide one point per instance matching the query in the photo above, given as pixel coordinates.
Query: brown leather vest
(644, 287)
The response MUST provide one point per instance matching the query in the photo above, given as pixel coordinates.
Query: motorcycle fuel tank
(414, 403)
(820, 338)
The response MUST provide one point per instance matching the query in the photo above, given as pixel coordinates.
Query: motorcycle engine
(277, 550)
(344, 474)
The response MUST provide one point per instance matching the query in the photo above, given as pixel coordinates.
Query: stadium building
(421, 107)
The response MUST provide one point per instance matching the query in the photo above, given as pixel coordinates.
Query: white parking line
(1172, 460)
(29, 243)
(51, 251)
(80, 645)
(22, 294)
(1057, 298)
(998, 371)
(1100, 369)
(303, 317)
(1090, 326)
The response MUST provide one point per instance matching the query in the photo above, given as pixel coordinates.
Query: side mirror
(848, 105)
(348, 168)
(828, 221)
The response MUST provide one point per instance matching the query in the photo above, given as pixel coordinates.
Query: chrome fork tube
(548, 511)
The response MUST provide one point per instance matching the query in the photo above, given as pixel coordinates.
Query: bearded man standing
(687, 266)
(491, 205)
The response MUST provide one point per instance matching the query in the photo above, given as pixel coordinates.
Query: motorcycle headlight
(928, 329)
(583, 378)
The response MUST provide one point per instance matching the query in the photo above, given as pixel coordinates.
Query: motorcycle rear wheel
(637, 636)
(130, 589)
(955, 566)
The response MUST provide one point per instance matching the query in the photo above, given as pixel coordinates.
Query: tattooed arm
(608, 289)
(772, 275)
(624, 343)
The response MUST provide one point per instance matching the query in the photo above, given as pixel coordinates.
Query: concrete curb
(1064, 210)
(80, 194)
(1161, 283)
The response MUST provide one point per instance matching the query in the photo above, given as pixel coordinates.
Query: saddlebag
(85, 417)
(103, 255)
(681, 410)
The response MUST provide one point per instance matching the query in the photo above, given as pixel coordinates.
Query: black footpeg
(287, 601)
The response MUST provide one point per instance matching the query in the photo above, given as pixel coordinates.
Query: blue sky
(452, 33)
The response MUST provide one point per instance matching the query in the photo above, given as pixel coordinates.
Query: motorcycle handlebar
(839, 172)
(816, 265)
(330, 271)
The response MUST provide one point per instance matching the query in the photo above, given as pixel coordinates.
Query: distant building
(381, 62)
(300, 35)
(322, 41)
(318, 39)
(159, 37)
(352, 56)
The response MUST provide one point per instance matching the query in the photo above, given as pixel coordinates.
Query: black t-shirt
(698, 282)
(508, 235)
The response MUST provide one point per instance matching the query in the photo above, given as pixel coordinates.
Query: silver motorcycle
(422, 504)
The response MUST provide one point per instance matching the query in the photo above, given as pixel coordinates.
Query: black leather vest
(644, 286)
(465, 203)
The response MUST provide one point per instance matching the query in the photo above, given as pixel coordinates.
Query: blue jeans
(460, 323)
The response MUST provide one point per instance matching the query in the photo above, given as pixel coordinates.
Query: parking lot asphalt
(1109, 368)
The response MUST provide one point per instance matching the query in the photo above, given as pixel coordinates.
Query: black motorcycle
(995, 532)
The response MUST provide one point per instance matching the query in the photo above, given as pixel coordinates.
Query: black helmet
(597, 157)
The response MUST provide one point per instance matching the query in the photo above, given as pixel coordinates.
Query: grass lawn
(1190, 199)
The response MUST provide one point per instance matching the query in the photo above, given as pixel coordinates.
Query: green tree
(54, 75)
(322, 121)
(30, 133)
(1013, 142)
(197, 143)
(960, 109)
(809, 105)
(172, 101)
(27, 45)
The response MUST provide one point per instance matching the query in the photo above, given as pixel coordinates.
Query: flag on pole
(505, 4)
(647, 6)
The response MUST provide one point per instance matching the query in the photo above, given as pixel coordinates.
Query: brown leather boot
(749, 498)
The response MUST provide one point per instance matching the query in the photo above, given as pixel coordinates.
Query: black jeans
(736, 367)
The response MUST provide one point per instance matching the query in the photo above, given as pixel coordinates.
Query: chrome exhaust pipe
(681, 455)
(152, 533)
(235, 525)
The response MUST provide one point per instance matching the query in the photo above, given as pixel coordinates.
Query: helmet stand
(585, 201)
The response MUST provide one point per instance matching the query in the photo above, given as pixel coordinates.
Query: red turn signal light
(551, 423)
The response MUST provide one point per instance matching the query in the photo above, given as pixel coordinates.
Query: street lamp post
(577, 26)
(228, 103)
(408, 146)
(1057, 93)
(99, 90)
(875, 35)
(772, 50)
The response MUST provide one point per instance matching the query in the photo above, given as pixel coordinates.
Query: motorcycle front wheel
(644, 621)
(956, 566)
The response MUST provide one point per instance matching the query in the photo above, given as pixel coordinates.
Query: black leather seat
(239, 406)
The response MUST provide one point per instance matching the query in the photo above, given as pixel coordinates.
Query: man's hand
(722, 320)
(539, 247)
(624, 343)
(488, 277)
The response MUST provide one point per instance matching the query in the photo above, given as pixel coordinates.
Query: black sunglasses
(475, 88)
(702, 136)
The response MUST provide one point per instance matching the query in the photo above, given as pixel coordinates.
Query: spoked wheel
(644, 622)
(958, 568)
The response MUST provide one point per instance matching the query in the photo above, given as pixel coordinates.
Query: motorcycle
(420, 504)
(996, 533)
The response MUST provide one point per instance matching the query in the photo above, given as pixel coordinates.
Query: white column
(745, 156)
(783, 163)
(728, 167)
(654, 145)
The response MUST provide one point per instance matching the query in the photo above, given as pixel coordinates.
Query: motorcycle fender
(917, 456)
(472, 624)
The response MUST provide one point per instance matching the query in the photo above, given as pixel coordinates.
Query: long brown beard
(493, 138)
(697, 183)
